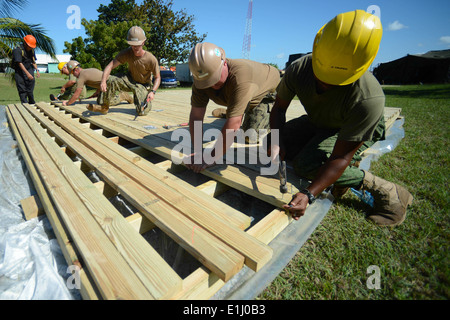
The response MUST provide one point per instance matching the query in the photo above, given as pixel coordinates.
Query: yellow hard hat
(61, 65)
(345, 47)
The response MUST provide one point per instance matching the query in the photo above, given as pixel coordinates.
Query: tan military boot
(98, 108)
(390, 200)
(125, 96)
(220, 113)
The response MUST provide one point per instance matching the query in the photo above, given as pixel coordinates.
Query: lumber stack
(121, 122)
(59, 144)
(121, 264)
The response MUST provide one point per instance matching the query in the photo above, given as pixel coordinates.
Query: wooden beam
(211, 251)
(256, 254)
(112, 272)
(87, 289)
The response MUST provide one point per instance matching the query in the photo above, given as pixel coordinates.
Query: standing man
(69, 88)
(24, 61)
(243, 86)
(92, 77)
(345, 106)
(141, 65)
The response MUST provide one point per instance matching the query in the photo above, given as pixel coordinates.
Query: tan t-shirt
(90, 77)
(140, 68)
(247, 84)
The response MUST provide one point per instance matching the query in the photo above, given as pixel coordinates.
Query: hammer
(283, 175)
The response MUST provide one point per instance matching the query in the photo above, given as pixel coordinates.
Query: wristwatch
(310, 196)
(154, 91)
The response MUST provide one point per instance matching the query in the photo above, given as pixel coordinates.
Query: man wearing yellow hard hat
(24, 63)
(345, 115)
(69, 88)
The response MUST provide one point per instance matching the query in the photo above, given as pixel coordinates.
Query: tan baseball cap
(206, 62)
(136, 36)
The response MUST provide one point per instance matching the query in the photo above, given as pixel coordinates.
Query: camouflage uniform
(115, 84)
(258, 117)
(309, 147)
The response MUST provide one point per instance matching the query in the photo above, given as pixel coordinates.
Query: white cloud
(396, 25)
(445, 39)
(280, 56)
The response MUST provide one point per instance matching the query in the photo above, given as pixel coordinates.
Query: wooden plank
(202, 284)
(255, 252)
(140, 223)
(87, 289)
(163, 147)
(112, 282)
(102, 260)
(32, 207)
(209, 250)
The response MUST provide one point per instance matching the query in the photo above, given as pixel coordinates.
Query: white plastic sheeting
(32, 266)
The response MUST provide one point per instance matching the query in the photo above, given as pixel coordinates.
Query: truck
(184, 75)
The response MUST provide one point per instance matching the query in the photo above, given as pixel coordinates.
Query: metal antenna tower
(248, 32)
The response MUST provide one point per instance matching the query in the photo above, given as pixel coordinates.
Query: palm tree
(13, 30)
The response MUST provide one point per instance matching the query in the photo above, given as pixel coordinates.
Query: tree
(116, 11)
(103, 42)
(13, 30)
(170, 35)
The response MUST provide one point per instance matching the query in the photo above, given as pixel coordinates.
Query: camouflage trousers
(258, 118)
(70, 91)
(116, 84)
(309, 147)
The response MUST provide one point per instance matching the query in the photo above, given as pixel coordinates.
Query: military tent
(430, 67)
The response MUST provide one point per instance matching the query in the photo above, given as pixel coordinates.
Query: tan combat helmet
(71, 65)
(136, 36)
(206, 62)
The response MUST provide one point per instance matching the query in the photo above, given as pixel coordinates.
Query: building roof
(46, 59)
(434, 54)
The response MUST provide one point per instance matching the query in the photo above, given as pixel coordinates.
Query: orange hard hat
(30, 41)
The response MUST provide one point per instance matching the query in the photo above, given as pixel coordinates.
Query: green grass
(414, 257)
(45, 85)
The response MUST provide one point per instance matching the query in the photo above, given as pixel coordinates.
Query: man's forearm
(327, 175)
(229, 130)
(107, 72)
(69, 84)
(156, 83)
(75, 96)
(333, 168)
(196, 119)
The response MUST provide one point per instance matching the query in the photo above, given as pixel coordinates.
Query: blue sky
(279, 27)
